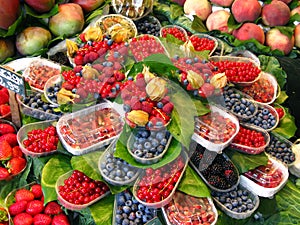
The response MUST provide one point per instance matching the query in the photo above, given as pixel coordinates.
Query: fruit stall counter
(106, 137)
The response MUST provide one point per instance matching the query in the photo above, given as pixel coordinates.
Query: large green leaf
(102, 211)
(286, 127)
(281, 98)
(54, 168)
(176, 11)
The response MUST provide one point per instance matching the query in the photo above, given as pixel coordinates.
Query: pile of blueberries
(239, 200)
(117, 170)
(280, 149)
(52, 92)
(149, 144)
(130, 211)
(148, 25)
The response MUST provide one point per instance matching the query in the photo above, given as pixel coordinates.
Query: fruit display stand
(161, 82)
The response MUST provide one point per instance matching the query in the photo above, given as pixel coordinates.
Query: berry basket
(126, 202)
(170, 29)
(266, 181)
(195, 39)
(89, 129)
(158, 142)
(22, 135)
(115, 170)
(10, 198)
(246, 54)
(53, 83)
(161, 199)
(199, 210)
(242, 147)
(208, 135)
(148, 25)
(233, 208)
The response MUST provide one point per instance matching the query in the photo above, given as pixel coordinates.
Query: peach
(245, 10)
(41, 6)
(224, 3)
(295, 10)
(248, 31)
(277, 40)
(200, 8)
(9, 12)
(276, 13)
(285, 1)
(297, 36)
(7, 48)
(88, 5)
(218, 21)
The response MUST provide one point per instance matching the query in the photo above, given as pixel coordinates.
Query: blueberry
(233, 194)
(138, 153)
(138, 214)
(128, 196)
(130, 174)
(126, 108)
(228, 206)
(129, 78)
(160, 105)
(125, 222)
(234, 203)
(110, 42)
(131, 216)
(160, 148)
(146, 218)
(154, 143)
(188, 61)
(141, 207)
(250, 206)
(116, 55)
(110, 166)
(119, 218)
(164, 142)
(147, 145)
(126, 209)
(185, 82)
(34, 105)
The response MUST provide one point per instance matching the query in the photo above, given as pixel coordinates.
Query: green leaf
(198, 25)
(176, 11)
(31, 12)
(102, 211)
(173, 47)
(187, 24)
(172, 39)
(192, 184)
(245, 162)
(286, 127)
(54, 168)
(232, 25)
(281, 98)
(288, 31)
(14, 28)
(97, 12)
(252, 45)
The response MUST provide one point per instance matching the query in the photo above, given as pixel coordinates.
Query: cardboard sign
(12, 81)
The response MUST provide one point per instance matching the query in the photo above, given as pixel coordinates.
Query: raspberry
(168, 108)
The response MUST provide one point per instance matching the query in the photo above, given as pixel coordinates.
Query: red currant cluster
(237, 71)
(40, 140)
(202, 43)
(79, 189)
(174, 31)
(249, 137)
(158, 184)
(280, 111)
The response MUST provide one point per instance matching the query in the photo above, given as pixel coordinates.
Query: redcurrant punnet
(174, 31)
(202, 43)
(249, 137)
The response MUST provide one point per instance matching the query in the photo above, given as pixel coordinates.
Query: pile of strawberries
(12, 160)
(4, 100)
(28, 208)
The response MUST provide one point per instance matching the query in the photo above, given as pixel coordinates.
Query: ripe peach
(285, 1)
(224, 3)
(295, 10)
(218, 21)
(277, 40)
(276, 13)
(248, 31)
(201, 8)
(297, 36)
(246, 10)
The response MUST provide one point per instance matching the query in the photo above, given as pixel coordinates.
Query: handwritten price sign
(12, 81)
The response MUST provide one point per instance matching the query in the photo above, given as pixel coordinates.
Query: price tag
(12, 81)
(154, 221)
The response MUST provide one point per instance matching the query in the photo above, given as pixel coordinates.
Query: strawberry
(168, 108)
(16, 152)
(206, 90)
(4, 110)
(16, 165)
(10, 138)
(24, 194)
(41, 219)
(5, 150)
(60, 219)
(4, 97)
(35, 207)
(17, 207)
(52, 208)
(6, 128)
(23, 219)
(4, 174)
(36, 189)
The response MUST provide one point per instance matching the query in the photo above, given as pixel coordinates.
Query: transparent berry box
(238, 203)
(116, 171)
(186, 209)
(164, 31)
(266, 181)
(246, 54)
(89, 129)
(251, 149)
(134, 10)
(22, 135)
(215, 130)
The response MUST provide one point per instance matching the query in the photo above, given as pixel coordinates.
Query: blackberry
(222, 184)
(213, 180)
(215, 169)
(148, 25)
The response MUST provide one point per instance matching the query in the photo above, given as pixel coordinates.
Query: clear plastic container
(89, 129)
(180, 29)
(118, 164)
(246, 54)
(210, 136)
(249, 149)
(266, 181)
(22, 135)
(5, 216)
(133, 9)
(238, 215)
(207, 37)
(39, 71)
(65, 203)
(167, 199)
(186, 209)
(55, 80)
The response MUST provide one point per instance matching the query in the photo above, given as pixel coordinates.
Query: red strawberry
(4, 174)
(206, 90)
(35, 207)
(119, 75)
(6, 128)
(168, 108)
(4, 110)
(23, 219)
(10, 138)
(16, 152)
(17, 207)
(53, 208)
(16, 165)
(37, 191)
(60, 219)
(5, 150)
(4, 97)
(41, 219)
(24, 194)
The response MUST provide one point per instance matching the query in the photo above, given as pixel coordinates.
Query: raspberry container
(147, 161)
(186, 209)
(55, 80)
(89, 129)
(39, 71)
(209, 38)
(65, 203)
(180, 29)
(251, 149)
(22, 135)
(118, 204)
(124, 167)
(266, 181)
(209, 137)
(246, 54)
(235, 214)
(167, 199)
